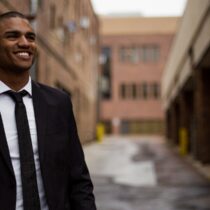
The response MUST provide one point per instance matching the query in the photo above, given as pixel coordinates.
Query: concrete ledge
(204, 169)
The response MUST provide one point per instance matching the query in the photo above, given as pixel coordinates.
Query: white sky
(143, 7)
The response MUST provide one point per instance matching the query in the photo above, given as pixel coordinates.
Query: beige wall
(76, 67)
(193, 34)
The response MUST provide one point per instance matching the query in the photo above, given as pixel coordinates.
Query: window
(136, 54)
(156, 53)
(139, 91)
(141, 126)
(126, 91)
(60, 21)
(40, 3)
(77, 9)
(129, 91)
(144, 90)
(66, 3)
(106, 73)
(122, 54)
(52, 16)
(156, 90)
(141, 54)
(34, 6)
(150, 53)
(122, 91)
(133, 91)
(144, 51)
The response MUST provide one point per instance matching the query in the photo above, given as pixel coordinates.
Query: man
(56, 177)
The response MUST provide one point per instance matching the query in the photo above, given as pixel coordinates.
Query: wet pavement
(143, 173)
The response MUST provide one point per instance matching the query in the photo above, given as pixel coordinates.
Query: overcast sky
(141, 7)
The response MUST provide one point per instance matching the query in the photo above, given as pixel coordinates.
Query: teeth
(24, 54)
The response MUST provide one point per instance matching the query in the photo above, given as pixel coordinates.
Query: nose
(23, 42)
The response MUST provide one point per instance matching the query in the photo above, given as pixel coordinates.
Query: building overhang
(191, 50)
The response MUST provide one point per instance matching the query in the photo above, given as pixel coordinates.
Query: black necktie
(28, 172)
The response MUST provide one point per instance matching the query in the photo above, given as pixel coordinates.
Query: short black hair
(12, 14)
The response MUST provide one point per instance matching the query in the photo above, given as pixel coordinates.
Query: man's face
(17, 45)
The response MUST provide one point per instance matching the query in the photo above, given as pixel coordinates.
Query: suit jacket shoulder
(48, 91)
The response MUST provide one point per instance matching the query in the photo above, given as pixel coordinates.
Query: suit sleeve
(80, 185)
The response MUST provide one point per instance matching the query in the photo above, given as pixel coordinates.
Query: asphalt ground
(144, 173)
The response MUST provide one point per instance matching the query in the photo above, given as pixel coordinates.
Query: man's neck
(15, 81)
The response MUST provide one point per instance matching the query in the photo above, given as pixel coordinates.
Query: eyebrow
(30, 33)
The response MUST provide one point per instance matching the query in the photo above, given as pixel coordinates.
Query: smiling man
(18, 49)
(42, 164)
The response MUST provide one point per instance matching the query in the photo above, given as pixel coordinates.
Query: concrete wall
(192, 34)
(185, 83)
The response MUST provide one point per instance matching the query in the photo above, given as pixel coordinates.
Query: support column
(184, 128)
(202, 112)
(168, 124)
(190, 117)
(175, 123)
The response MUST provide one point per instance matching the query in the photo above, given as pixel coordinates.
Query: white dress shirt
(7, 110)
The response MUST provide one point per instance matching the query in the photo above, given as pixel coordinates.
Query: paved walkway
(142, 173)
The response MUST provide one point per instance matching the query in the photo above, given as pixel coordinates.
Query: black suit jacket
(65, 175)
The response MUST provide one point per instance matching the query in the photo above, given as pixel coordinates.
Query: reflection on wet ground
(143, 173)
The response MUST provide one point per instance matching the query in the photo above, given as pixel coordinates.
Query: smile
(24, 55)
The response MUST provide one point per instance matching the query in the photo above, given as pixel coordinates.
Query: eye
(12, 35)
(31, 37)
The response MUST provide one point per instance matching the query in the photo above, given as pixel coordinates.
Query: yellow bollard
(183, 141)
(99, 132)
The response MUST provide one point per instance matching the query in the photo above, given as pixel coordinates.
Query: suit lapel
(40, 110)
(4, 147)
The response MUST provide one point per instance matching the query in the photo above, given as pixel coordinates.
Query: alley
(143, 173)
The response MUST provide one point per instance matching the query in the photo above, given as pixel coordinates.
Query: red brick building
(67, 38)
(134, 51)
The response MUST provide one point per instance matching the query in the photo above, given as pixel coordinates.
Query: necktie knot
(17, 96)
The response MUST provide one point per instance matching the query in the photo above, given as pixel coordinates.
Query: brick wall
(134, 109)
(67, 37)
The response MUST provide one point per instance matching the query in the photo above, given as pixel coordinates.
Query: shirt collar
(27, 87)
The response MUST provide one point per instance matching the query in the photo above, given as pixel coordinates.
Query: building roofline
(138, 25)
